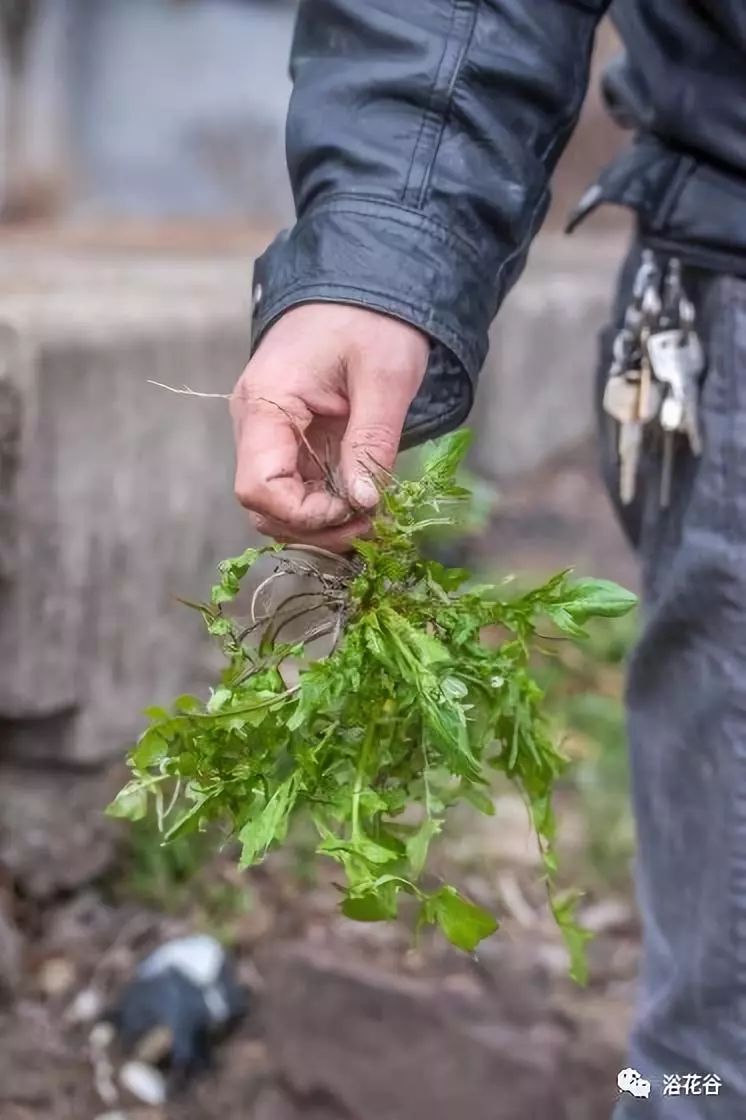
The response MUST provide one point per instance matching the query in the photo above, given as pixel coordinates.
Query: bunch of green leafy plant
(374, 742)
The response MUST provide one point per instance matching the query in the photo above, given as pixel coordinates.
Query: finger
(338, 539)
(378, 408)
(268, 480)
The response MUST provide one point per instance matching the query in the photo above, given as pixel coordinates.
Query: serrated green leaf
(575, 937)
(270, 824)
(156, 713)
(190, 820)
(419, 845)
(463, 923)
(454, 688)
(187, 703)
(219, 699)
(564, 621)
(151, 747)
(598, 598)
(380, 906)
(131, 803)
(232, 572)
(362, 847)
(445, 455)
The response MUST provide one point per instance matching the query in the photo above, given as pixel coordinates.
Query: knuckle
(380, 439)
(372, 435)
(246, 496)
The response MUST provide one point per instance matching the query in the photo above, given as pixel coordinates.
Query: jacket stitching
(472, 10)
(434, 116)
(416, 216)
(429, 107)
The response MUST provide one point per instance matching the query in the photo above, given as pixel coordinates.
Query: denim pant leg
(687, 732)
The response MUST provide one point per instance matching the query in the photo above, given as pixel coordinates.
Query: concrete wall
(115, 496)
(536, 388)
(161, 108)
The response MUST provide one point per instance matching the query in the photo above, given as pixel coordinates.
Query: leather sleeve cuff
(378, 254)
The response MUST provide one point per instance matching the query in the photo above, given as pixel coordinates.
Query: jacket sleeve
(421, 138)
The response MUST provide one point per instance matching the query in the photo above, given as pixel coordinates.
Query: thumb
(378, 408)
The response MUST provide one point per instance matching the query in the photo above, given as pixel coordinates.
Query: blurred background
(141, 169)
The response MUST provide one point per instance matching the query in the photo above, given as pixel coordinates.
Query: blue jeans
(687, 731)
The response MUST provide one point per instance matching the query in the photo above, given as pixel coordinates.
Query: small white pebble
(608, 914)
(56, 977)
(87, 1006)
(101, 1036)
(144, 1082)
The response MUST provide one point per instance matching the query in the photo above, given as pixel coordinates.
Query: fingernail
(364, 493)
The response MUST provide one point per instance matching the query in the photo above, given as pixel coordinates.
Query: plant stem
(362, 762)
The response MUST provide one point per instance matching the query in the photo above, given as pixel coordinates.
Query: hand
(317, 413)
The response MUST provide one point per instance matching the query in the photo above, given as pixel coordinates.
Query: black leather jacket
(422, 135)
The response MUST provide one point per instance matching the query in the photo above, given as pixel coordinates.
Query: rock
(54, 837)
(87, 1006)
(144, 1082)
(41, 1070)
(56, 977)
(274, 1104)
(334, 1029)
(359, 1042)
(608, 914)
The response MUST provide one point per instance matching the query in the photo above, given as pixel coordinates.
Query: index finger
(268, 480)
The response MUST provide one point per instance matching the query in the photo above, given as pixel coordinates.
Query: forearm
(421, 140)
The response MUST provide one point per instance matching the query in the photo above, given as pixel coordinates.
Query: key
(671, 419)
(677, 360)
(621, 396)
(633, 400)
(624, 401)
(621, 402)
(630, 447)
(675, 355)
(672, 413)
